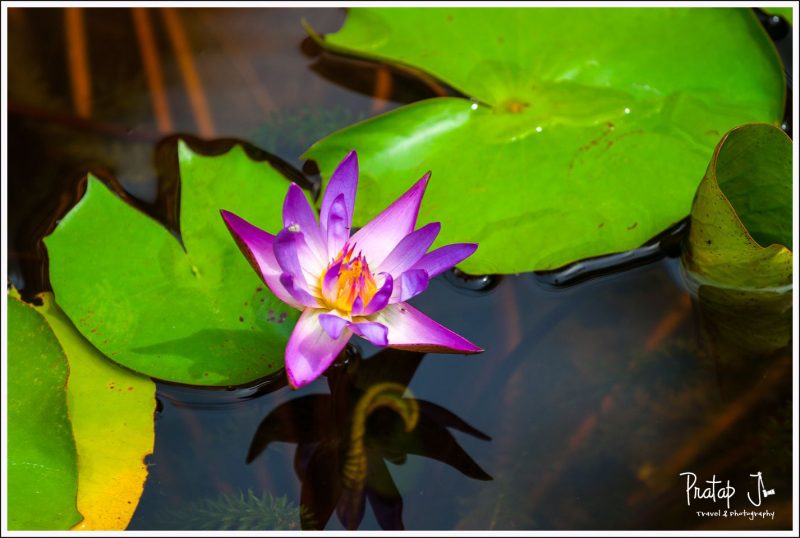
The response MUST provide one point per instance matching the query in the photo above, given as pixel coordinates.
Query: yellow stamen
(354, 280)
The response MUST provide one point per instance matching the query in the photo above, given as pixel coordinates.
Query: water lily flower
(351, 285)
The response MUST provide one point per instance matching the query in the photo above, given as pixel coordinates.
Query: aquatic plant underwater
(542, 155)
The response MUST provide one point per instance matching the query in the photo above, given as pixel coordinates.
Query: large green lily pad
(42, 461)
(112, 411)
(196, 314)
(738, 250)
(589, 130)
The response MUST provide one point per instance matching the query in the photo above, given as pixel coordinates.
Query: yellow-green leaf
(112, 412)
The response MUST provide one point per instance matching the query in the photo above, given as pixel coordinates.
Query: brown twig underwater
(383, 88)
(78, 60)
(188, 70)
(243, 66)
(669, 323)
(152, 68)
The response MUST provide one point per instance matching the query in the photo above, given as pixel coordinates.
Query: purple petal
(410, 249)
(410, 284)
(330, 282)
(412, 330)
(370, 330)
(358, 305)
(298, 292)
(443, 258)
(380, 235)
(285, 248)
(378, 301)
(256, 245)
(310, 350)
(344, 182)
(294, 257)
(297, 213)
(338, 228)
(333, 324)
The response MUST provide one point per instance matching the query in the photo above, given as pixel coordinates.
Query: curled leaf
(737, 251)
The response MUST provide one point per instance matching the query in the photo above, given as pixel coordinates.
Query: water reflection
(743, 330)
(344, 438)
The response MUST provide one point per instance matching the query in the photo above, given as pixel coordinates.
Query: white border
(433, 3)
(397, 3)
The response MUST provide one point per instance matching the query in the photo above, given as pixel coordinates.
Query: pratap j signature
(716, 491)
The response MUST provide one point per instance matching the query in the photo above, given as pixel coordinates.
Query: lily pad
(42, 462)
(587, 129)
(112, 411)
(191, 311)
(738, 250)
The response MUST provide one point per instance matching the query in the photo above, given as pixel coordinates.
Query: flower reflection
(365, 404)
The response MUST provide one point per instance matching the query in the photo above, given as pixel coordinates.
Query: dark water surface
(599, 386)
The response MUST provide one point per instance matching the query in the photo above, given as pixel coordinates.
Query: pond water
(600, 383)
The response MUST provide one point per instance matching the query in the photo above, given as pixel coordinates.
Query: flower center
(352, 280)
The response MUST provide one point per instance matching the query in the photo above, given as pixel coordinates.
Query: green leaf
(590, 131)
(738, 247)
(112, 411)
(198, 315)
(42, 468)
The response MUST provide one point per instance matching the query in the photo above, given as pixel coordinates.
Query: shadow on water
(601, 381)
